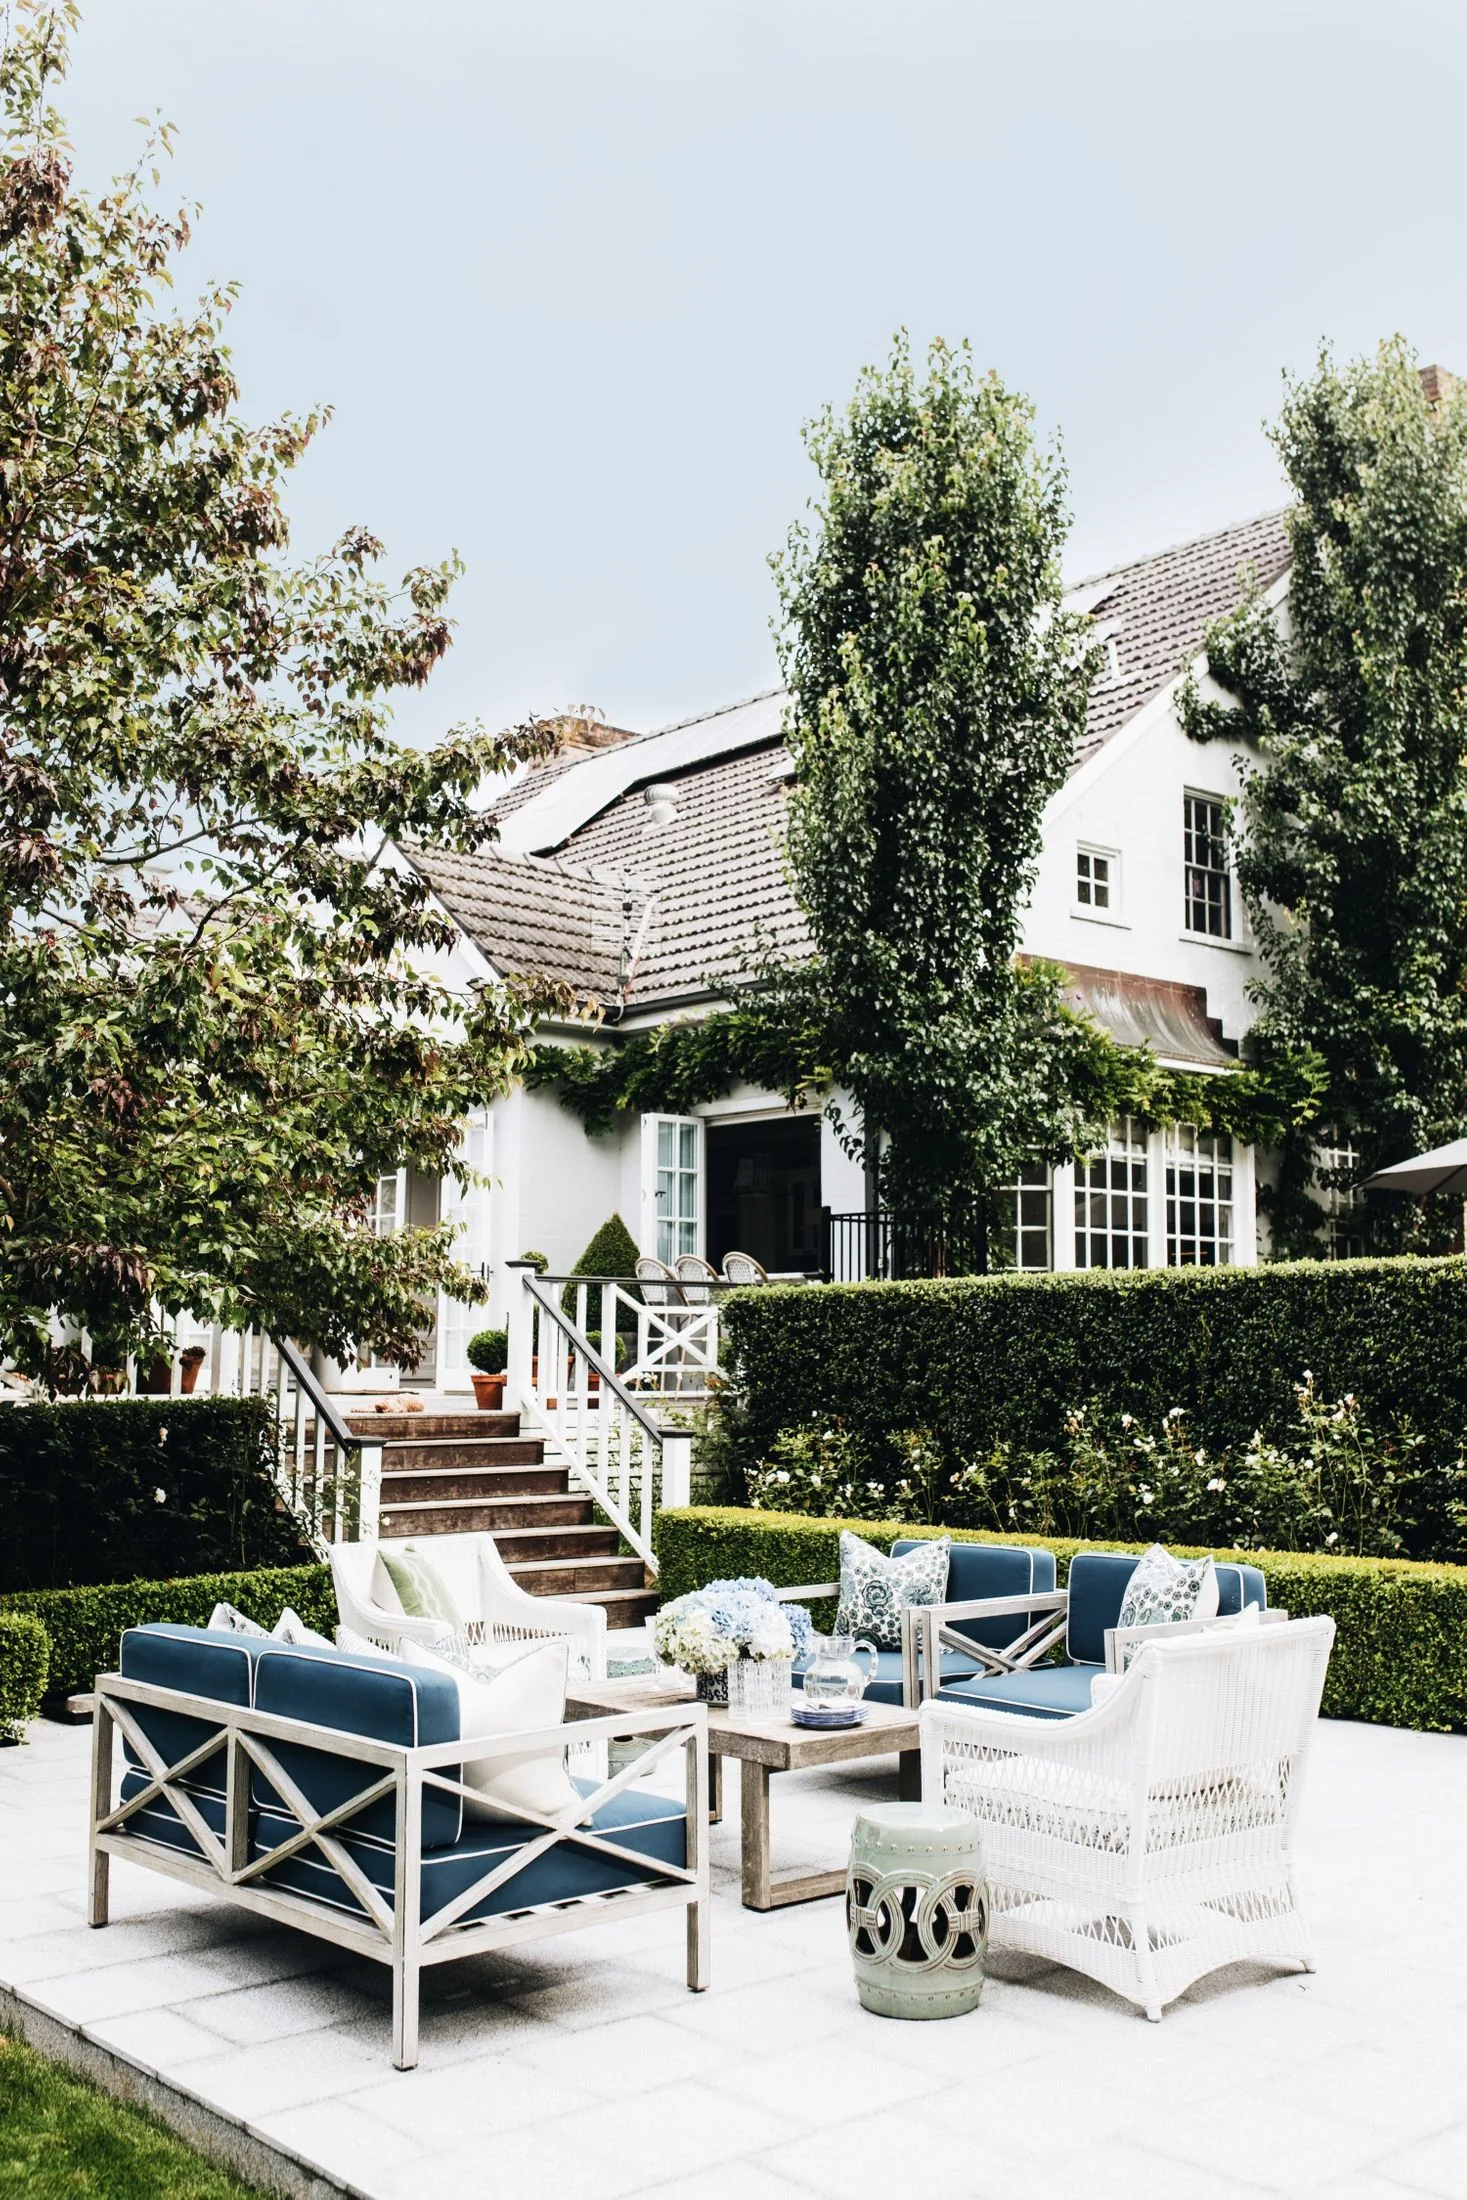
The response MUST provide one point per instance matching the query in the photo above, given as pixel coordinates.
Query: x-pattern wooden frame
(391, 1932)
(927, 1631)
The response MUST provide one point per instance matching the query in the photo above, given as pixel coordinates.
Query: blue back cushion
(377, 1697)
(1098, 1587)
(198, 1662)
(991, 1570)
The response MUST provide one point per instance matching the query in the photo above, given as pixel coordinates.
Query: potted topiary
(189, 1363)
(488, 1358)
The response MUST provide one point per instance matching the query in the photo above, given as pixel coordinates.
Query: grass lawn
(60, 2139)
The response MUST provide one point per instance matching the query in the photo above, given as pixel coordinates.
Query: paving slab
(582, 2067)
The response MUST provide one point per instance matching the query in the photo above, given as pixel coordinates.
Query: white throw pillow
(1163, 1589)
(291, 1628)
(510, 1699)
(360, 1646)
(227, 1619)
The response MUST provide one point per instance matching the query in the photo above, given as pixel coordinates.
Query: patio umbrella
(1443, 1170)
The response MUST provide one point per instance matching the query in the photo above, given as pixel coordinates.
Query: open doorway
(764, 1192)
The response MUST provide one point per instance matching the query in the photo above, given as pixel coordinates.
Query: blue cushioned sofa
(323, 1789)
(1011, 1583)
(1082, 1619)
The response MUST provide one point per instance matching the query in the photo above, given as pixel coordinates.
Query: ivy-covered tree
(218, 1020)
(1352, 823)
(937, 689)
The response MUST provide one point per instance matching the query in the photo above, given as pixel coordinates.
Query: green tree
(218, 1016)
(1352, 824)
(937, 688)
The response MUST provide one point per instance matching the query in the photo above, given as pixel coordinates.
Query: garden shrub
(100, 1489)
(85, 1625)
(25, 1657)
(1400, 1654)
(1006, 1361)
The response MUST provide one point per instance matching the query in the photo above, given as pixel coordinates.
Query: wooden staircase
(448, 1473)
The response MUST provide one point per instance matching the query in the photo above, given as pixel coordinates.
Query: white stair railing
(676, 1347)
(330, 1477)
(569, 1392)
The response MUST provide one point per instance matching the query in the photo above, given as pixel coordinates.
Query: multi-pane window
(1199, 1198)
(1095, 879)
(678, 1194)
(1110, 1201)
(1208, 890)
(1021, 1236)
(1336, 1167)
(387, 1205)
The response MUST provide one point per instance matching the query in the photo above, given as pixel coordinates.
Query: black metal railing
(892, 1245)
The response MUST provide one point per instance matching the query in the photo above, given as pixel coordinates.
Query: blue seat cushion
(1043, 1692)
(159, 1823)
(886, 1683)
(993, 1570)
(650, 1824)
(198, 1661)
(377, 1697)
(1097, 1587)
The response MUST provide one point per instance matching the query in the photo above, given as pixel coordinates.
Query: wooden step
(572, 1577)
(552, 1507)
(403, 1456)
(389, 1425)
(627, 1607)
(569, 1546)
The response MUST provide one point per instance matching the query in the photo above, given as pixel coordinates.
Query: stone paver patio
(583, 2067)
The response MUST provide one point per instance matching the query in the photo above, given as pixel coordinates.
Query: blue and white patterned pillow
(1164, 1589)
(875, 1589)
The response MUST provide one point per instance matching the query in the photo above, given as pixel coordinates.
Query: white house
(640, 870)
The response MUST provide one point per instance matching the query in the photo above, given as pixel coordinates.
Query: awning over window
(1169, 1018)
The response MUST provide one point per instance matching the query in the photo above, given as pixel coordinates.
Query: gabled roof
(632, 907)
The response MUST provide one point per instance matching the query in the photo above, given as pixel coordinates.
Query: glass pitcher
(834, 1680)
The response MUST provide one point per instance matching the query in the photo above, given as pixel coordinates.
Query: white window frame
(1232, 936)
(1086, 911)
(1125, 1143)
(652, 1237)
(1035, 1182)
(1186, 1149)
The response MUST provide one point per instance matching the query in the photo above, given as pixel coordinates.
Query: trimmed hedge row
(85, 1625)
(1004, 1358)
(103, 1487)
(1400, 1655)
(25, 1654)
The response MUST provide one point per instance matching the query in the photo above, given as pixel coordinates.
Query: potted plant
(189, 1363)
(737, 1641)
(488, 1358)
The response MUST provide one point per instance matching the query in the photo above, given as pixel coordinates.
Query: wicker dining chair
(743, 1268)
(695, 1275)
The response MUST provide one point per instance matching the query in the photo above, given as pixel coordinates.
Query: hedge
(1400, 1655)
(1005, 1358)
(25, 1653)
(80, 1488)
(85, 1625)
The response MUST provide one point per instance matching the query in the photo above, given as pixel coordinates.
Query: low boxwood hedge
(85, 1625)
(96, 1489)
(1005, 1359)
(1400, 1655)
(25, 1655)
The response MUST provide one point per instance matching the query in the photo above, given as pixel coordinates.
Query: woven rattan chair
(659, 1285)
(498, 1614)
(695, 1275)
(1149, 1840)
(743, 1268)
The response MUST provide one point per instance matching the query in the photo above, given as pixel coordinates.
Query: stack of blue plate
(809, 1714)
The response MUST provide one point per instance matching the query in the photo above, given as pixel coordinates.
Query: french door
(672, 1186)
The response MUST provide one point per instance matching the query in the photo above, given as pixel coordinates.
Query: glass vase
(760, 1685)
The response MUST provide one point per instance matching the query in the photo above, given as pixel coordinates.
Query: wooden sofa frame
(392, 1931)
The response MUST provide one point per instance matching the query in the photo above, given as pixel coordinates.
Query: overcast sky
(573, 272)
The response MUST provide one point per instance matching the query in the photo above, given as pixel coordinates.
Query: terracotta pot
(489, 1392)
(188, 1369)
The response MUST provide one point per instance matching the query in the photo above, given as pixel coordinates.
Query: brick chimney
(580, 732)
(1436, 382)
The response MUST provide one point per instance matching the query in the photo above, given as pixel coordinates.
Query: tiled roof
(1159, 610)
(711, 883)
(538, 916)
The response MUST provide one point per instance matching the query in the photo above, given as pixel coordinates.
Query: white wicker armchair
(1150, 1840)
(497, 1611)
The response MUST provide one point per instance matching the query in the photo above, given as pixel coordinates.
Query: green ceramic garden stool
(917, 1910)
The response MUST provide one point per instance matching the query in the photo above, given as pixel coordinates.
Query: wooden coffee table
(765, 1744)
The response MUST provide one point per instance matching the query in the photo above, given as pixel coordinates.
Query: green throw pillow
(417, 1585)
(875, 1589)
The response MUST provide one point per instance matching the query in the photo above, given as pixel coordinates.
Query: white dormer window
(1097, 883)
